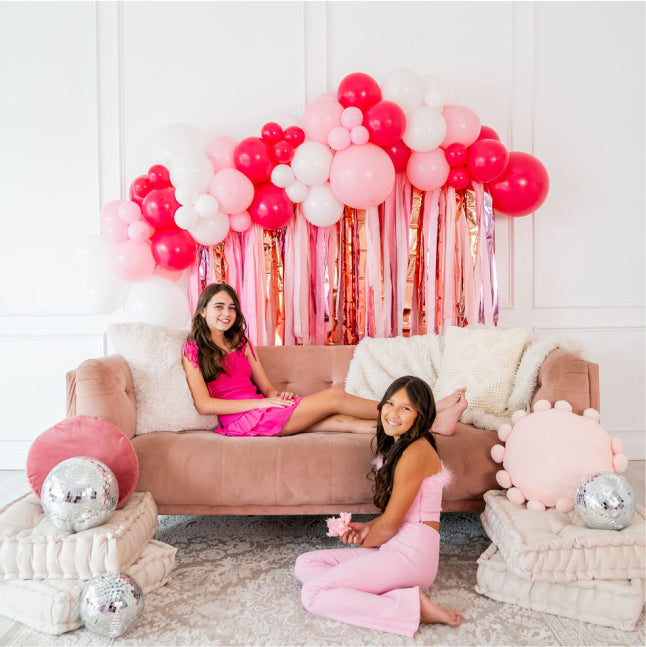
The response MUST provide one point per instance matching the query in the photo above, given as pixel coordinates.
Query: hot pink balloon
(220, 152)
(429, 170)
(358, 90)
(399, 154)
(271, 208)
(362, 176)
(456, 155)
(459, 178)
(173, 249)
(386, 123)
(462, 126)
(294, 135)
(112, 226)
(252, 156)
(158, 176)
(140, 188)
(132, 261)
(488, 133)
(232, 189)
(320, 116)
(159, 208)
(240, 221)
(487, 160)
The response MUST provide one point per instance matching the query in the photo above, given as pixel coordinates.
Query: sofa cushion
(154, 356)
(31, 547)
(612, 603)
(84, 436)
(52, 606)
(553, 546)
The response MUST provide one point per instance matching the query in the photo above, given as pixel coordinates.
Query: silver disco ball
(605, 500)
(79, 493)
(111, 604)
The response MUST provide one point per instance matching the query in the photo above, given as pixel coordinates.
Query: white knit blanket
(378, 361)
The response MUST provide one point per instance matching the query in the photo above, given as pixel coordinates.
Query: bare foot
(431, 613)
(449, 410)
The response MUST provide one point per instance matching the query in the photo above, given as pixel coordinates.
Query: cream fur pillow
(484, 359)
(154, 356)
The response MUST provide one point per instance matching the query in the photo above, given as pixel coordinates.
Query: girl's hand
(357, 533)
(275, 401)
(285, 395)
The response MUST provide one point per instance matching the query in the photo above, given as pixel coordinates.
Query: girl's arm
(417, 463)
(207, 405)
(260, 379)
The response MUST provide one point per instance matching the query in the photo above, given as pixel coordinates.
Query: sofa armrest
(566, 376)
(104, 388)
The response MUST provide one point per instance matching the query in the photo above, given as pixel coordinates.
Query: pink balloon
(232, 189)
(240, 221)
(428, 171)
(129, 211)
(362, 176)
(386, 123)
(159, 207)
(171, 275)
(462, 126)
(140, 231)
(294, 135)
(271, 208)
(399, 154)
(173, 249)
(456, 155)
(158, 176)
(488, 133)
(220, 152)
(132, 261)
(252, 156)
(358, 90)
(112, 226)
(459, 178)
(320, 117)
(487, 160)
(339, 138)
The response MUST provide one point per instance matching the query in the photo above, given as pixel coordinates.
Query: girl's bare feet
(430, 612)
(449, 410)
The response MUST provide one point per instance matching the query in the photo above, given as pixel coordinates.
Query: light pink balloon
(171, 275)
(359, 135)
(362, 176)
(320, 117)
(339, 138)
(428, 171)
(129, 212)
(220, 152)
(232, 189)
(240, 221)
(462, 126)
(140, 230)
(112, 227)
(132, 261)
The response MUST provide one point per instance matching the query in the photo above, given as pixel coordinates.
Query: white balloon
(186, 194)
(321, 207)
(186, 217)
(282, 175)
(435, 95)
(211, 231)
(297, 191)
(157, 300)
(179, 138)
(191, 169)
(404, 87)
(425, 129)
(206, 205)
(311, 163)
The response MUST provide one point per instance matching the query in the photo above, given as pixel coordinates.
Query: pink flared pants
(376, 588)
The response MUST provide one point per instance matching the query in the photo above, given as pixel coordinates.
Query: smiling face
(220, 312)
(398, 414)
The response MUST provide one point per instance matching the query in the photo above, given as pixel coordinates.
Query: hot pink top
(236, 384)
(428, 502)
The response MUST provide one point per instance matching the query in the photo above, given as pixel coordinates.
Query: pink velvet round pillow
(84, 436)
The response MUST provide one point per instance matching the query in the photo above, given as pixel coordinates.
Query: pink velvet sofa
(200, 472)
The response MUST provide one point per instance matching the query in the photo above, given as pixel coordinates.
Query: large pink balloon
(112, 227)
(386, 123)
(271, 208)
(362, 176)
(462, 126)
(358, 90)
(132, 261)
(523, 186)
(428, 171)
(220, 152)
(232, 189)
(252, 156)
(173, 249)
(320, 117)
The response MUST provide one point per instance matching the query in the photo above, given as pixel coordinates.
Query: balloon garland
(374, 217)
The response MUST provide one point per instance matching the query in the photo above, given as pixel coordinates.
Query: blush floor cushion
(611, 603)
(53, 606)
(556, 547)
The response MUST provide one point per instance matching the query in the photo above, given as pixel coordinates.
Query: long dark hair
(209, 355)
(421, 397)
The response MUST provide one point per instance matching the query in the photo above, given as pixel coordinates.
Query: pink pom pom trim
(338, 526)
(190, 352)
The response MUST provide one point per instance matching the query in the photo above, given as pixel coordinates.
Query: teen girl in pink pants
(380, 584)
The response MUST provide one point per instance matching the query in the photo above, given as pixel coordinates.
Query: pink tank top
(428, 502)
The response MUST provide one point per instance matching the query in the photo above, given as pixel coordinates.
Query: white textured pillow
(484, 359)
(52, 606)
(31, 547)
(611, 603)
(154, 356)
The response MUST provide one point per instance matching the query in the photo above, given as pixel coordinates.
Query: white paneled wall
(86, 87)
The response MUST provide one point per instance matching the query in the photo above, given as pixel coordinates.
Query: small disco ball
(605, 500)
(111, 604)
(79, 493)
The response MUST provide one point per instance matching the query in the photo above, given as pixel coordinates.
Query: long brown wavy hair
(421, 397)
(209, 355)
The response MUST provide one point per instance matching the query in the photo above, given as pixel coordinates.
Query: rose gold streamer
(462, 276)
(489, 223)
(441, 252)
(416, 263)
(373, 279)
(332, 278)
(402, 223)
(448, 314)
(472, 221)
(431, 213)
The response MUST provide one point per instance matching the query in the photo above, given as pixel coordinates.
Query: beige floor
(14, 483)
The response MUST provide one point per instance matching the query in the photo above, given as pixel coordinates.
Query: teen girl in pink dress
(380, 585)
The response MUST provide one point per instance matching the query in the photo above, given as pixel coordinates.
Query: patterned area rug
(233, 584)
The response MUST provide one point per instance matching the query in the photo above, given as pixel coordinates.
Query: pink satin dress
(235, 384)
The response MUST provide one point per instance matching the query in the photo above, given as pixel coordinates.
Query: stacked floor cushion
(43, 570)
(549, 561)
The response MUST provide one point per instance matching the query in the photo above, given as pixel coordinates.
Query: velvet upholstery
(199, 472)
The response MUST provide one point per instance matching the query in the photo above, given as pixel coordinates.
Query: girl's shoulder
(420, 454)
(190, 351)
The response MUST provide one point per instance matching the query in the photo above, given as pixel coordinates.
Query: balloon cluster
(352, 144)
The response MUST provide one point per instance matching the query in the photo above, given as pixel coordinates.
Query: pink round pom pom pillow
(84, 436)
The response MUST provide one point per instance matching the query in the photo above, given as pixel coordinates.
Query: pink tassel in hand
(338, 526)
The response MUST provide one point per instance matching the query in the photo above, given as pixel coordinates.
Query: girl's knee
(309, 596)
(302, 566)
